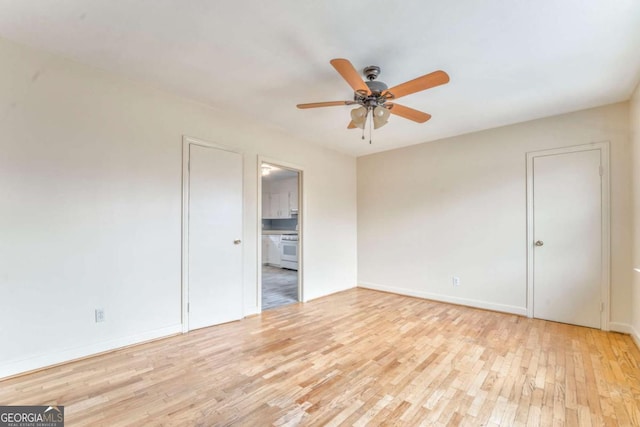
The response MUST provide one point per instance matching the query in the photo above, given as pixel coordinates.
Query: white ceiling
(277, 174)
(509, 61)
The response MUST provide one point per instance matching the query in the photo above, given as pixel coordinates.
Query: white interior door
(214, 233)
(567, 234)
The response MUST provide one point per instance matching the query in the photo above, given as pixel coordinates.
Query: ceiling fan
(374, 97)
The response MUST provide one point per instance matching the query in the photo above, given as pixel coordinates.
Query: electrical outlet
(99, 315)
(456, 281)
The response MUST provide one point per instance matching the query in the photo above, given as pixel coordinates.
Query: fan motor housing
(376, 86)
(372, 72)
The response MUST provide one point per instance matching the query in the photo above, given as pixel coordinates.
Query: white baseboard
(512, 309)
(331, 292)
(14, 367)
(625, 328)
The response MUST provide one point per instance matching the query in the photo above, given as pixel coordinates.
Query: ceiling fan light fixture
(380, 116)
(359, 116)
(373, 95)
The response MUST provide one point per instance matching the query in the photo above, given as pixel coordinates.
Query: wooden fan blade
(351, 125)
(427, 81)
(323, 104)
(408, 113)
(349, 73)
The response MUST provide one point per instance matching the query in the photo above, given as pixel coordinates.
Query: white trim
(185, 235)
(625, 328)
(603, 147)
(504, 308)
(605, 316)
(19, 366)
(636, 336)
(621, 327)
(301, 215)
(259, 236)
(187, 141)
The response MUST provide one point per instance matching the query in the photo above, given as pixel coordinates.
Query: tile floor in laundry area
(279, 287)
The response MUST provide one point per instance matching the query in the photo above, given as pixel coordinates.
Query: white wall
(634, 113)
(90, 207)
(457, 207)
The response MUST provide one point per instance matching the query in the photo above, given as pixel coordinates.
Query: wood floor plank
(361, 358)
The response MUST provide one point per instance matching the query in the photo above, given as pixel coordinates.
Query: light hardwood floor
(359, 357)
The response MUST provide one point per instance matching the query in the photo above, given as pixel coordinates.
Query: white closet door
(568, 238)
(215, 230)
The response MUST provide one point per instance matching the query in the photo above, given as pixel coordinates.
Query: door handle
(539, 243)
(237, 242)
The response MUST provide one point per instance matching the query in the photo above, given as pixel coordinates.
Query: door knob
(237, 242)
(539, 243)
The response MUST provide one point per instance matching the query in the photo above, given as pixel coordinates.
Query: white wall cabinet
(280, 198)
(290, 187)
(279, 205)
(293, 198)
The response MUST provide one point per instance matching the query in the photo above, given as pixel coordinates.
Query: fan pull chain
(370, 121)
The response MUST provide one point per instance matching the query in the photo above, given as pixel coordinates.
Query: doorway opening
(280, 222)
